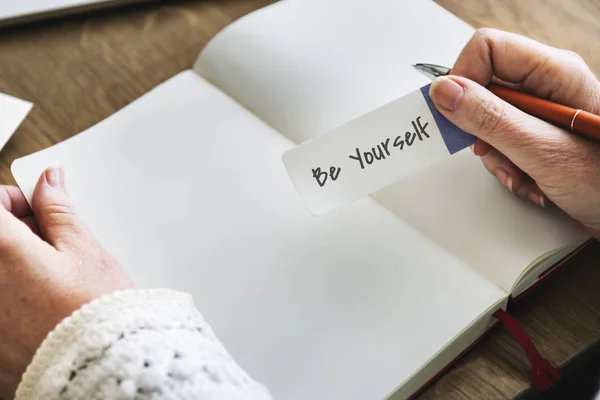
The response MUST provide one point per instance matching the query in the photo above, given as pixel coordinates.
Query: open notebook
(186, 186)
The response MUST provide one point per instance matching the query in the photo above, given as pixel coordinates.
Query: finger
(31, 222)
(528, 142)
(499, 81)
(480, 148)
(548, 72)
(513, 178)
(54, 212)
(14, 235)
(13, 200)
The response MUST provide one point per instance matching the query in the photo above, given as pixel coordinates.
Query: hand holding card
(372, 152)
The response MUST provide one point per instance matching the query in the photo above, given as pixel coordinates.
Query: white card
(12, 112)
(373, 151)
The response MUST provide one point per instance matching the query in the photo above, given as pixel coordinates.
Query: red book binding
(544, 373)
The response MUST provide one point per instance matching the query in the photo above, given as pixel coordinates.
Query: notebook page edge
(450, 353)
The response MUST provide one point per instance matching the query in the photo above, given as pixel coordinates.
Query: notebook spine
(544, 373)
(554, 269)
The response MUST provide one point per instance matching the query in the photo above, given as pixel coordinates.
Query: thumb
(528, 142)
(54, 212)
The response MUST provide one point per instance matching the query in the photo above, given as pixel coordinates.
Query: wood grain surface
(81, 69)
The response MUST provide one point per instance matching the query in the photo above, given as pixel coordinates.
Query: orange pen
(577, 121)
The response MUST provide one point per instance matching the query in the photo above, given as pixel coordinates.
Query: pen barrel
(587, 124)
(576, 121)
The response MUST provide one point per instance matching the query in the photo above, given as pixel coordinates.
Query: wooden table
(79, 70)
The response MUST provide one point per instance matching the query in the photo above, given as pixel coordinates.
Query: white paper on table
(12, 112)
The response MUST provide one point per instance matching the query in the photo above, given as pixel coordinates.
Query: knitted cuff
(89, 331)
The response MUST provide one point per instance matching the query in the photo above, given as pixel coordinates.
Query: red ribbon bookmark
(544, 374)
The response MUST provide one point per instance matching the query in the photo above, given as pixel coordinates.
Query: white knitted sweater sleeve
(136, 344)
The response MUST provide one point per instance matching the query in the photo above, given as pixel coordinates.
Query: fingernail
(535, 198)
(446, 93)
(504, 177)
(55, 177)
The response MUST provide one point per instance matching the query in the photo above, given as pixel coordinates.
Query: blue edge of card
(454, 138)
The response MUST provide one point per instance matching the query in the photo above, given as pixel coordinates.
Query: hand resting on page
(50, 265)
(532, 158)
(107, 339)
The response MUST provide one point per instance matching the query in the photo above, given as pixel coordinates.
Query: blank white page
(188, 190)
(308, 66)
